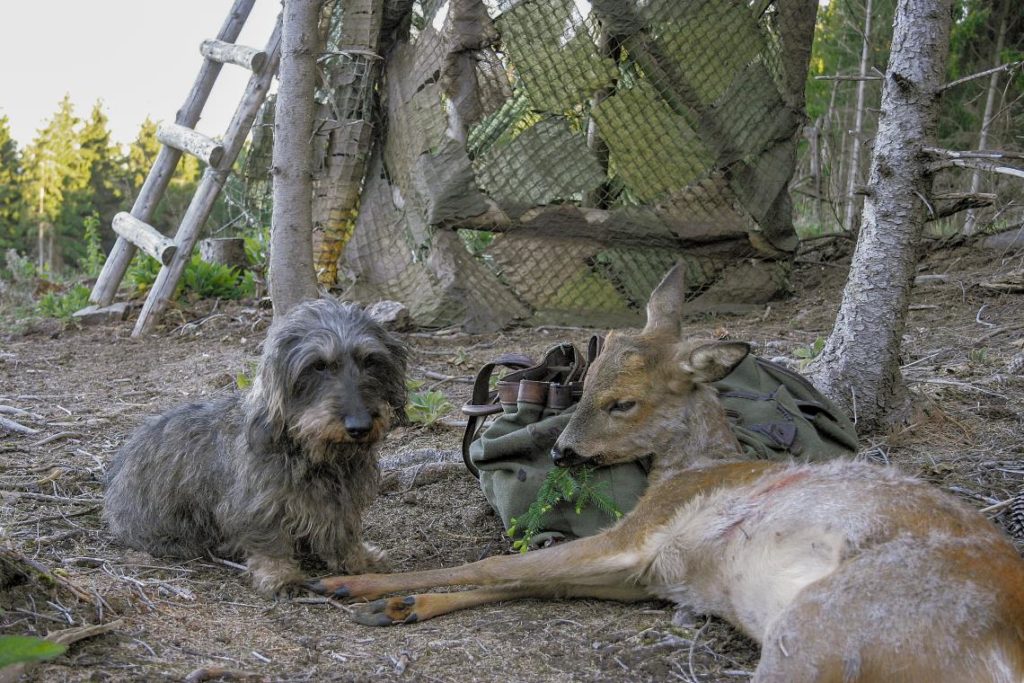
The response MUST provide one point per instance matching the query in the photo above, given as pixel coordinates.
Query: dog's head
(329, 375)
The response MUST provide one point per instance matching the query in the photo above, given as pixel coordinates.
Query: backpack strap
(556, 379)
(484, 401)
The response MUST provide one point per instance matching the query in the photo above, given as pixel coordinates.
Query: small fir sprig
(575, 486)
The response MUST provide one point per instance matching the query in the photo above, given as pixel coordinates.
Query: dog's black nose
(565, 457)
(358, 426)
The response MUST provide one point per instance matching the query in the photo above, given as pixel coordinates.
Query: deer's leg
(413, 608)
(600, 560)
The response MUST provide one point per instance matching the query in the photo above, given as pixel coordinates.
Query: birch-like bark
(857, 137)
(859, 367)
(971, 220)
(291, 234)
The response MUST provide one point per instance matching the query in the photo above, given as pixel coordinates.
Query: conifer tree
(141, 154)
(105, 190)
(54, 172)
(11, 234)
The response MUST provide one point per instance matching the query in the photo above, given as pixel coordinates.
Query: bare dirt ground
(87, 388)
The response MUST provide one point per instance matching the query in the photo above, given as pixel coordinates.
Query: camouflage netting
(547, 160)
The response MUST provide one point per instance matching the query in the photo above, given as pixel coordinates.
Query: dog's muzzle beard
(321, 426)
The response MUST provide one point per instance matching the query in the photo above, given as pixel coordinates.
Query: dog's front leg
(274, 576)
(601, 560)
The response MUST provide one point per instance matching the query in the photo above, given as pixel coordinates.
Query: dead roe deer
(843, 571)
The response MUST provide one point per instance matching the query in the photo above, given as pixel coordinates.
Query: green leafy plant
(201, 279)
(18, 649)
(256, 247)
(92, 263)
(243, 380)
(62, 305)
(808, 353)
(978, 356)
(216, 281)
(576, 486)
(427, 407)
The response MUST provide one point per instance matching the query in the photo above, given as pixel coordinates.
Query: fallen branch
(16, 427)
(56, 437)
(419, 475)
(14, 562)
(209, 673)
(961, 201)
(430, 374)
(18, 412)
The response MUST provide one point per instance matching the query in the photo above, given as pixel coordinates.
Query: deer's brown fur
(843, 571)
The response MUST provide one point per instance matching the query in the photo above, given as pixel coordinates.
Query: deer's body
(843, 572)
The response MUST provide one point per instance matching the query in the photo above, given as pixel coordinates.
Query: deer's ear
(665, 307)
(711, 362)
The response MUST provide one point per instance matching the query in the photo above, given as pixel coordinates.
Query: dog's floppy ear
(265, 409)
(396, 392)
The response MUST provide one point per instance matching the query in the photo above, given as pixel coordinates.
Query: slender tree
(859, 367)
(971, 220)
(54, 170)
(292, 278)
(11, 206)
(857, 134)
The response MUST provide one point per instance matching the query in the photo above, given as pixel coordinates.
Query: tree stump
(227, 251)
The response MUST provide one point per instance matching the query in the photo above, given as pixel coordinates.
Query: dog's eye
(322, 366)
(621, 406)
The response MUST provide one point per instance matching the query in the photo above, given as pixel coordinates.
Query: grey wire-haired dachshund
(278, 473)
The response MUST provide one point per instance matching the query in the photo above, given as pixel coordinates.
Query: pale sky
(139, 56)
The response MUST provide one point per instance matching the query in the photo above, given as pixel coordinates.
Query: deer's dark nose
(358, 426)
(565, 457)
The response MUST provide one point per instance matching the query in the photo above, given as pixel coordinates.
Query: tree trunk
(857, 136)
(859, 367)
(970, 223)
(291, 233)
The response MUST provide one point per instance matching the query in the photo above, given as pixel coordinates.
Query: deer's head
(648, 394)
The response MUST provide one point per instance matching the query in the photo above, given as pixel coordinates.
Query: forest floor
(86, 389)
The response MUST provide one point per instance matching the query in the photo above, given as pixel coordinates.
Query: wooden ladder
(133, 228)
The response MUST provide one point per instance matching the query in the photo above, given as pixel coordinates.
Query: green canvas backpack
(775, 413)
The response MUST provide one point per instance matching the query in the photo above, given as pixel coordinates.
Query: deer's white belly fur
(746, 553)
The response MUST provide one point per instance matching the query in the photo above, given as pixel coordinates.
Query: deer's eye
(621, 407)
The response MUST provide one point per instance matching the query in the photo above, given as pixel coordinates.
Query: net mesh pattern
(548, 160)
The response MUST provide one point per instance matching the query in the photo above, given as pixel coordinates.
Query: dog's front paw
(274, 577)
(365, 558)
(362, 558)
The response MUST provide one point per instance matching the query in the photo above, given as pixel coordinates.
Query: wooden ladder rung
(185, 139)
(145, 237)
(228, 53)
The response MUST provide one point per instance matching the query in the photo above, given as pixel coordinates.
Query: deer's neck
(705, 436)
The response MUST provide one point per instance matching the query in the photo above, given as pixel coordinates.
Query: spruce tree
(11, 207)
(105, 190)
(55, 174)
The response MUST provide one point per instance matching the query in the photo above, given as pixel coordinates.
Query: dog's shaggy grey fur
(280, 472)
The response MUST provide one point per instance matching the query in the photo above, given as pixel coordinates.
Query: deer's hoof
(387, 612)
